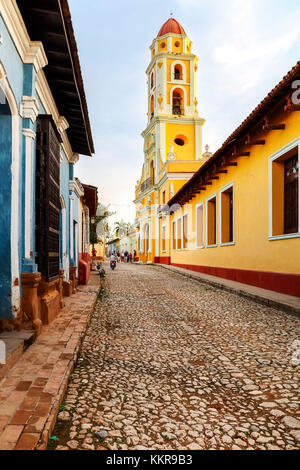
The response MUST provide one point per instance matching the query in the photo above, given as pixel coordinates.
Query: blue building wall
(5, 204)
(12, 62)
(22, 79)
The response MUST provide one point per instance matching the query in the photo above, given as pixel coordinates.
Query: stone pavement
(33, 389)
(170, 363)
(284, 302)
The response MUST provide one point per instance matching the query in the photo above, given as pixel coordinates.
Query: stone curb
(52, 418)
(278, 305)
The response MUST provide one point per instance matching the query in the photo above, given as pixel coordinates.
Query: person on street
(94, 252)
(113, 259)
(130, 256)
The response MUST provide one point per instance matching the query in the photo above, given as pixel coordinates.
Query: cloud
(233, 54)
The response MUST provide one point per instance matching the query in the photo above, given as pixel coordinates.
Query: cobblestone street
(170, 363)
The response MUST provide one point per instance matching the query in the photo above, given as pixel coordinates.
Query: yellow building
(173, 136)
(238, 216)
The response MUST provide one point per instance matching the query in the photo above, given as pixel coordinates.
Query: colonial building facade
(44, 126)
(173, 136)
(237, 216)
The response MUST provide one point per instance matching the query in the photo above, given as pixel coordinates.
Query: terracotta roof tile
(171, 26)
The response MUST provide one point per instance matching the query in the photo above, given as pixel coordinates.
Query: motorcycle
(113, 265)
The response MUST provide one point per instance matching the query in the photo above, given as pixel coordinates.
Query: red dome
(171, 26)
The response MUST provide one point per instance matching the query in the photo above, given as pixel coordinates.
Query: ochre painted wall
(187, 151)
(252, 249)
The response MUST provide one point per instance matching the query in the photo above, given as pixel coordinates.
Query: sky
(244, 50)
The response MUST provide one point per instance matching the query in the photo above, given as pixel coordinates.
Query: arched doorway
(9, 200)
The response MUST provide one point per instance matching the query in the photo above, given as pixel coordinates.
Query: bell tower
(172, 95)
(173, 136)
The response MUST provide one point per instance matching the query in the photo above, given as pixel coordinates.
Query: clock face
(171, 156)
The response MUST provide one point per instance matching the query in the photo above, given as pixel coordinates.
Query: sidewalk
(34, 387)
(273, 299)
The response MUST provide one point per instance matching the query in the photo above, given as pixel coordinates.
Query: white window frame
(213, 196)
(152, 73)
(181, 87)
(292, 145)
(177, 220)
(173, 65)
(150, 237)
(182, 232)
(164, 227)
(203, 226)
(230, 185)
(174, 221)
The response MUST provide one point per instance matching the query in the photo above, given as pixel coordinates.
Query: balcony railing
(146, 184)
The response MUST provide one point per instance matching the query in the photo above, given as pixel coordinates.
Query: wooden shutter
(47, 198)
(291, 175)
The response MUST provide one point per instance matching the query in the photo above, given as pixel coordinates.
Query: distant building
(128, 242)
(88, 204)
(113, 246)
(101, 231)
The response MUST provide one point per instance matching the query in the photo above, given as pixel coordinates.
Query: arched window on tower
(178, 102)
(152, 80)
(152, 107)
(178, 72)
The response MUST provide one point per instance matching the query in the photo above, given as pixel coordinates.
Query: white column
(71, 228)
(169, 44)
(29, 136)
(156, 218)
(164, 76)
(76, 248)
(198, 141)
(150, 232)
(141, 247)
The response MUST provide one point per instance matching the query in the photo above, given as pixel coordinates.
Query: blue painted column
(30, 109)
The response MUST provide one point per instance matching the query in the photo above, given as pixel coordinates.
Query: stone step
(16, 342)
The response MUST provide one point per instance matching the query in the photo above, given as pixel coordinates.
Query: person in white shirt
(113, 258)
